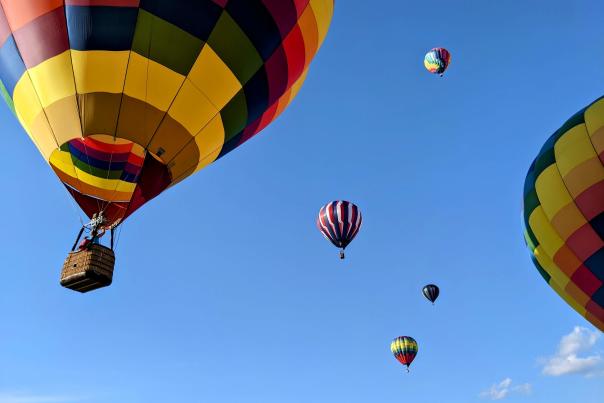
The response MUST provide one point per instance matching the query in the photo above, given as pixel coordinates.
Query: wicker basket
(89, 269)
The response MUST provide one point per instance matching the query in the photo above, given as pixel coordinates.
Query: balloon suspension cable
(75, 244)
(119, 233)
(77, 210)
(342, 256)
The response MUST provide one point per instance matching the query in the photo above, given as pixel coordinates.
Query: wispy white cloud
(504, 389)
(567, 359)
(32, 398)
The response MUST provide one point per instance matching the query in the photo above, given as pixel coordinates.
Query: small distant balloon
(437, 61)
(339, 222)
(404, 349)
(431, 292)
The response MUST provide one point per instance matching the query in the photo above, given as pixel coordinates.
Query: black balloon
(431, 292)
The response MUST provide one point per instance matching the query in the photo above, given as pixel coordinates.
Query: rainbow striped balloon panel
(178, 83)
(564, 212)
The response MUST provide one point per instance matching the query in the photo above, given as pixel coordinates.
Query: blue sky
(226, 292)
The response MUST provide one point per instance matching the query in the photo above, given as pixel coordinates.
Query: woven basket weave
(89, 269)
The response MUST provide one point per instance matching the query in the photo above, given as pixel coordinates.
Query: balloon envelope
(431, 292)
(437, 60)
(339, 222)
(404, 349)
(125, 98)
(564, 212)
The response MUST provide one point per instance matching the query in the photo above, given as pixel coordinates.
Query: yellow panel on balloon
(191, 108)
(594, 117)
(573, 148)
(150, 82)
(27, 103)
(64, 118)
(99, 70)
(545, 233)
(551, 191)
(323, 11)
(212, 77)
(53, 79)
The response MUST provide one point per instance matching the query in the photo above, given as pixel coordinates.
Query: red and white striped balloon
(339, 222)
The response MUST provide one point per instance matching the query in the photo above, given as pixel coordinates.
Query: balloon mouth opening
(110, 174)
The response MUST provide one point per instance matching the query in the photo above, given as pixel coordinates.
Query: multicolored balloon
(564, 212)
(339, 222)
(404, 349)
(437, 60)
(431, 292)
(126, 98)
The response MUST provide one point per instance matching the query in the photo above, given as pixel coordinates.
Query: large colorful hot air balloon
(564, 212)
(404, 349)
(437, 61)
(431, 292)
(125, 98)
(339, 222)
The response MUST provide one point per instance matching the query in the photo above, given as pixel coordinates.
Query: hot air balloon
(437, 60)
(339, 222)
(126, 98)
(564, 210)
(404, 349)
(431, 292)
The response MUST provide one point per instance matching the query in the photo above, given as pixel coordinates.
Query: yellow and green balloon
(564, 212)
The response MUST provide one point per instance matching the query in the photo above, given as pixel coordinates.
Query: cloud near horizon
(567, 361)
(504, 389)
